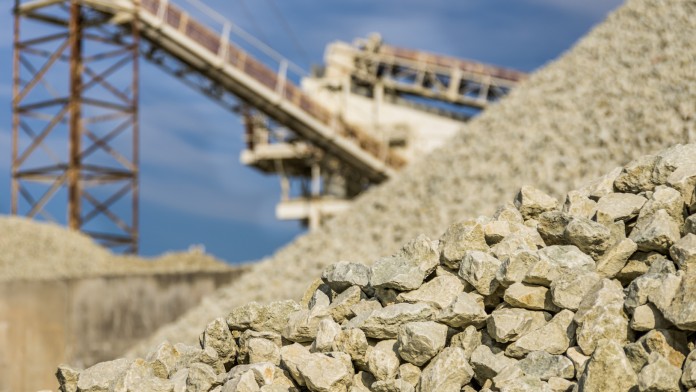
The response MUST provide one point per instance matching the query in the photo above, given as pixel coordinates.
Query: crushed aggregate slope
(626, 89)
(31, 250)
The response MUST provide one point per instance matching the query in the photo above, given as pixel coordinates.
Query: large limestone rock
(508, 324)
(418, 342)
(553, 337)
(601, 316)
(384, 323)
(479, 270)
(608, 369)
(341, 275)
(438, 292)
(449, 371)
(532, 202)
(530, 297)
(460, 238)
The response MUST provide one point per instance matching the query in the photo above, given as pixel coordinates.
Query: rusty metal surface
(102, 195)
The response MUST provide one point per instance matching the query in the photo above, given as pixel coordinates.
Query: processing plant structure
(329, 135)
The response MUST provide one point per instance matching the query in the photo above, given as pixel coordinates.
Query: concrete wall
(84, 321)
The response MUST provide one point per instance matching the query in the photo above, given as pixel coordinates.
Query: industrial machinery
(370, 111)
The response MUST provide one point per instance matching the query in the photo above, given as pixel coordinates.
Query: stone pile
(597, 293)
(625, 90)
(32, 250)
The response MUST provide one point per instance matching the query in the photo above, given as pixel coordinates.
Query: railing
(279, 82)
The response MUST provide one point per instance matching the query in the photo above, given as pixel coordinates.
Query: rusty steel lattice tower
(70, 64)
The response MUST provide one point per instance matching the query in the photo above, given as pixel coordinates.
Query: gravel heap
(627, 89)
(595, 294)
(31, 250)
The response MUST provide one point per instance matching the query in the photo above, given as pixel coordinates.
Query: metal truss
(425, 75)
(97, 169)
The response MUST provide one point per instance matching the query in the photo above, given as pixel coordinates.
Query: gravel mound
(31, 250)
(597, 293)
(627, 89)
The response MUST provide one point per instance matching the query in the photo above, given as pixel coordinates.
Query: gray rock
(508, 324)
(67, 378)
(257, 347)
(664, 198)
(340, 308)
(487, 365)
(383, 360)
(578, 358)
(555, 261)
(439, 292)
(407, 269)
(590, 237)
(689, 376)
(201, 378)
(272, 317)
(322, 373)
(530, 297)
(672, 159)
(393, 385)
(264, 373)
(544, 365)
(647, 317)
(479, 269)
(690, 224)
(467, 309)
(165, 357)
(523, 238)
(103, 376)
(682, 309)
(291, 357)
(636, 176)
(619, 207)
(659, 375)
(554, 337)
(384, 323)
(396, 273)
(217, 335)
(509, 213)
(468, 340)
(302, 325)
(458, 239)
(601, 186)
(409, 373)
(418, 342)
(513, 379)
(632, 270)
(671, 344)
(243, 382)
(514, 268)
(568, 290)
(601, 316)
(684, 181)
(577, 204)
(608, 369)
(683, 253)
(139, 376)
(496, 230)
(615, 259)
(552, 226)
(362, 382)
(557, 384)
(532, 202)
(344, 274)
(449, 371)
(658, 232)
(658, 288)
(353, 342)
(326, 334)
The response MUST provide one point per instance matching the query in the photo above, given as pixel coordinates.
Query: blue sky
(193, 188)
